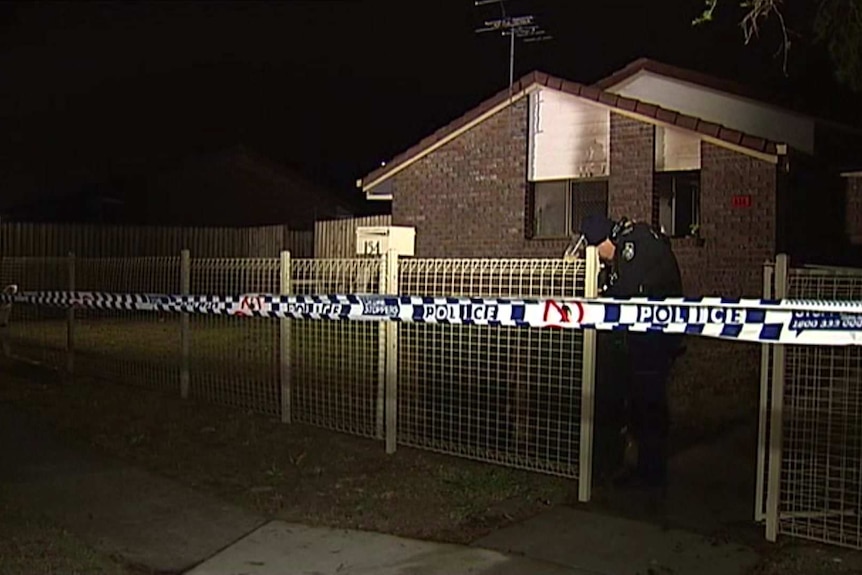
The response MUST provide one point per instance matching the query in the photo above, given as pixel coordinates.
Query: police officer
(640, 262)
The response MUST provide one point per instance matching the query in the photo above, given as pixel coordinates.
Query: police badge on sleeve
(628, 251)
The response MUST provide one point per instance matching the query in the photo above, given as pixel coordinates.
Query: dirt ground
(292, 472)
(33, 546)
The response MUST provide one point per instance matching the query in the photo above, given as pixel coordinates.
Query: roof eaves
(644, 110)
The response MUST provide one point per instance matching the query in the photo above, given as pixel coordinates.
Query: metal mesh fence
(503, 395)
(35, 333)
(131, 347)
(821, 470)
(336, 367)
(234, 360)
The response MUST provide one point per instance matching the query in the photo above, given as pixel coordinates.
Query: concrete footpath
(165, 527)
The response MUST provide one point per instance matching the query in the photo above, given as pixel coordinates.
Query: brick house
(854, 207)
(730, 178)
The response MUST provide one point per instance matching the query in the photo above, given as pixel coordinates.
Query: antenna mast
(515, 27)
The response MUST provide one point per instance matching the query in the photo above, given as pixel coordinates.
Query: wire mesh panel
(821, 472)
(234, 361)
(130, 347)
(36, 333)
(504, 395)
(336, 367)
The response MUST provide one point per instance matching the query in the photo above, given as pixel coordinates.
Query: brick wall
(632, 165)
(853, 207)
(468, 198)
(737, 241)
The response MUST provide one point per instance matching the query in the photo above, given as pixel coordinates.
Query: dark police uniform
(644, 265)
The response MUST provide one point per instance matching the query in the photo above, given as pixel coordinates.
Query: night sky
(97, 92)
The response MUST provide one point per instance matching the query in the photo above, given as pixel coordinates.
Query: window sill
(688, 241)
(550, 239)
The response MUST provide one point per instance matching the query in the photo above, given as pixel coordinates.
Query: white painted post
(382, 334)
(762, 433)
(185, 326)
(776, 428)
(391, 358)
(284, 343)
(588, 383)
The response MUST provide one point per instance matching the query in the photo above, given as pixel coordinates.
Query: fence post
(185, 327)
(776, 427)
(284, 342)
(382, 335)
(588, 383)
(762, 432)
(70, 320)
(391, 327)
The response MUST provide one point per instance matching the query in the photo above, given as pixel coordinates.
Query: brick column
(630, 188)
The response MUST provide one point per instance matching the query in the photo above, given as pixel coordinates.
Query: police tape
(806, 322)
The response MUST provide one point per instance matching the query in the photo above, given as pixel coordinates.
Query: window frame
(570, 188)
(659, 186)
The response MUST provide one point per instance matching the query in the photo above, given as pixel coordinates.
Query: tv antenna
(515, 27)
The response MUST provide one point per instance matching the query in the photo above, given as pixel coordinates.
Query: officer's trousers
(611, 388)
(650, 358)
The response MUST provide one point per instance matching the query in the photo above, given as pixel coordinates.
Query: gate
(810, 446)
(514, 396)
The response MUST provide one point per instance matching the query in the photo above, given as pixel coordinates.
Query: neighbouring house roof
(236, 186)
(713, 83)
(683, 75)
(715, 133)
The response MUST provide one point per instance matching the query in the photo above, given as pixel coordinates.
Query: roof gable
(713, 99)
(651, 113)
(642, 65)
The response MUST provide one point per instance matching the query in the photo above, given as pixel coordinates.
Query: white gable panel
(569, 138)
(676, 150)
(726, 109)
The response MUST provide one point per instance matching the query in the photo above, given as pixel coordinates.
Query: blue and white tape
(804, 322)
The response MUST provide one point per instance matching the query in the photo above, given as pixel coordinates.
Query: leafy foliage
(837, 24)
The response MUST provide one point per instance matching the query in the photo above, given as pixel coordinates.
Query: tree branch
(761, 10)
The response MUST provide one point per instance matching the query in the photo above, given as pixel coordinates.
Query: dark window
(676, 206)
(550, 208)
(559, 206)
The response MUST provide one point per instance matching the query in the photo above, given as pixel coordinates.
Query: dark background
(110, 91)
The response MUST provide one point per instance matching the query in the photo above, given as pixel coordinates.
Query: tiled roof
(624, 105)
